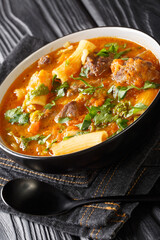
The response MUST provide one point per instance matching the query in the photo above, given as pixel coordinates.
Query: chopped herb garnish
(66, 62)
(86, 123)
(50, 145)
(16, 115)
(67, 137)
(81, 79)
(99, 115)
(121, 91)
(64, 120)
(50, 105)
(54, 77)
(61, 90)
(25, 141)
(84, 72)
(113, 47)
(43, 139)
(105, 113)
(125, 59)
(151, 85)
(90, 90)
(122, 124)
(119, 54)
(136, 109)
(39, 91)
(103, 53)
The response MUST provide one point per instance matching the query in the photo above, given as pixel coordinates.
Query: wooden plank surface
(50, 19)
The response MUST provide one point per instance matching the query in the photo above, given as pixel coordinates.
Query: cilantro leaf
(125, 59)
(151, 85)
(25, 141)
(137, 108)
(90, 90)
(39, 91)
(103, 53)
(119, 54)
(86, 122)
(84, 72)
(16, 115)
(61, 90)
(64, 120)
(67, 137)
(81, 79)
(102, 117)
(50, 145)
(43, 139)
(121, 91)
(50, 105)
(122, 124)
(113, 47)
(98, 114)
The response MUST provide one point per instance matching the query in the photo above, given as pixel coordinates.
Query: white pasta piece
(64, 71)
(39, 100)
(38, 78)
(41, 77)
(78, 143)
(65, 50)
(84, 55)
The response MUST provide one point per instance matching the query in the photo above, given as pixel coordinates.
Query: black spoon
(38, 198)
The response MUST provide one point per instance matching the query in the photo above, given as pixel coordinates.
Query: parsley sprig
(16, 115)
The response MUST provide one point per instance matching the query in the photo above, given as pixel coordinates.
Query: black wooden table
(48, 20)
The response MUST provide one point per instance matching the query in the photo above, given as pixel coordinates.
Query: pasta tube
(41, 82)
(147, 96)
(79, 143)
(73, 63)
(41, 77)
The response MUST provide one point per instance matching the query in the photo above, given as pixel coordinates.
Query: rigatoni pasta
(78, 143)
(78, 96)
(74, 62)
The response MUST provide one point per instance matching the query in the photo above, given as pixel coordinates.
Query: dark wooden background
(48, 20)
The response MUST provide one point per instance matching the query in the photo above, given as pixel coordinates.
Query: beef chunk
(133, 71)
(43, 61)
(98, 65)
(69, 110)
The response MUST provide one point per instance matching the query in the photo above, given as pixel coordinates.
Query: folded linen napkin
(136, 174)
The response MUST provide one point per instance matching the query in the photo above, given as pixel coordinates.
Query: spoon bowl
(35, 197)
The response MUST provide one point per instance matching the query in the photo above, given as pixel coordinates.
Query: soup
(78, 96)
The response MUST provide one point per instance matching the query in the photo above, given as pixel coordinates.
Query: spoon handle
(128, 198)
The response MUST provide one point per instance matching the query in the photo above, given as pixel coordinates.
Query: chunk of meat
(69, 110)
(43, 61)
(133, 71)
(98, 65)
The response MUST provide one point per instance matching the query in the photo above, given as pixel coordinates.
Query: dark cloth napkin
(135, 174)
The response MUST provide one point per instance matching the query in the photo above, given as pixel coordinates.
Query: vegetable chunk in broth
(78, 96)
